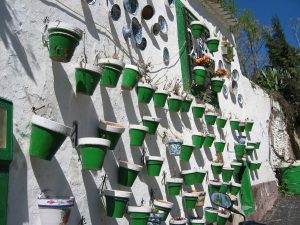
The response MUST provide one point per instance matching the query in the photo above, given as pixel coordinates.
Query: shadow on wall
(10, 38)
(89, 21)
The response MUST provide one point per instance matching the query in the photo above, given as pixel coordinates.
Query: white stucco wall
(29, 78)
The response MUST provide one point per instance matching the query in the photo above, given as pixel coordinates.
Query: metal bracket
(151, 195)
(143, 156)
(163, 180)
(34, 109)
(74, 134)
(82, 221)
(103, 184)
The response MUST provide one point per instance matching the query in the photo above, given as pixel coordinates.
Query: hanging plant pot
(234, 124)
(87, 78)
(54, 211)
(254, 165)
(236, 167)
(131, 76)
(154, 164)
(112, 69)
(152, 123)
(193, 176)
(249, 150)
(174, 103)
(197, 222)
(137, 134)
(211, 215)
(224, 187)
(128, 172)
(145, 92)
(255, 144)
(209, 139)
(190, 199)
(116, 202)
(213, 44)
(173, 186)
(249, 126)
(235, 188)
(227, 174)
(214, 186)
(216, 168)
(199, 75)
(174, 147)
(221, 122)
(46, 137)
(242, 126)
(198, 110)
(111, 131)
(186, 104)
(197, 29)
(198, 139)
(160, 98)
(139, 215)
(239, 149)
(93, 151)
(217, 84)
(186, 152)
(63, 40)
(222, 218)
(210, 118)
(219, 146)
(181, 221)
(163, 207)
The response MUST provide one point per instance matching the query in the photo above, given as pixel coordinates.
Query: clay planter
(186, 104)
(178, 222)
(214, 186)
(55, 211)
(219, 146)
(199, 75)
(93, 151)
(209, 139)
(224, 187)
(210, 118)
(87, 78)
(236, 167)
(112, 69)
(116, 202)
(154, 164)
(160, 98)
(145, 92)
(128, 172)
(111, 131)
(152, 123)
(190, 199)
(234, 124)
(137, 134)
(198, 139)
(249, 150)
(173, 186)
(216, 168)
(139, 215)
(174, 103)
(186, 152)
(164, 208)
(235, 188)
(254, 165)
(217, 84)
(222, 218)
(239, 149)
(211, 215)
(46, 137)
(130, 77)
(197, 29)
(227, 174)
(242, 126)
(174, 147)
(63, 40)
(193, 176)
(249, 126)
(213, 44)
(221, 122)
(197, 222)
(198, 110)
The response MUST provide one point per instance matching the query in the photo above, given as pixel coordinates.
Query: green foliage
(270, 79)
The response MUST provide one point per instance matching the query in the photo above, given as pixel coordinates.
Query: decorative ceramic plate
(155, 29)
(91, 2)
(126, 32)
(115, 12)
(166, 56)
(240, 99)
(136, 30)
(143, 44)
(235, 75)
(163, 24)
(131, 6)
(225, 91)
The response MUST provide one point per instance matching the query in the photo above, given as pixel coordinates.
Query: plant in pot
(234, 124)
(219, 145)
(178, 220)
(225, 186)
(242, 126)
(249, 125)
(198, 139)
(227, 173)
(235, 188)
(111, 131)
(254, 165)
(175, 99)
(173, 186)
(137, 134)
(200, 74)
(210, 215)
(198, 29)
(163, 207)
(193, 176)
(214, 186)
(222, 218)
(236, 167)
(131, 76)
(154, 164)
(239, 149)
(209, 139)
(221, 121)
(186, 102)
(152, 123)
(249, 150)
(227, 51)
(139, 215)
(128, 173)
(210, 118)
(186, 151)
(116, 202)
(189, 199)
(160, 96)
(213, 44)
(218, 80)
(216, 167)
(198, 110)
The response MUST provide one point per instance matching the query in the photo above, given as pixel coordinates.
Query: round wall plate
(170, 3)
(225, 91)
(115, 12)
(91, 2)
(131, 6)
(240, 99)
(235, 75)
(136, 30)
(143, 44)
(147, 12)
(163, 24)
(166, 56)
(155, 29)
(126, 32)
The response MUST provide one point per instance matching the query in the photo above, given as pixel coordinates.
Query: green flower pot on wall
(255, 144)
(160, 98)
(128, 172)
(227, 174)
(210, 118)
(163, 207)
(225, 187)
(137, 134)
(198, 139)
(112, 69)
(111, 131)
(116, 202)
(93, 151)
(210, 215)
(235, 188)
(217, 84)
(209, 139)
(249, 126)
(87, 78)
(236, 167)
(197, 222)
(174, 103)
(152, 123)
(242, 126)
(193, 176)
(219, 146)
(186, 152)
(173, 186)
(189, 199)
(254, 165)
(63, 40)
(249, 150)
(213, 44)
(221, 122)
(154, 164)
(216, 168)
(145, 92)
(181, 221)
(131, 76)
(197, 28)
(46, 137)
(234, 124)
(198, 110)
(186, 104)
(199, 75)
(222, 218)
(139, 215)
(214, 186)
(239, 149)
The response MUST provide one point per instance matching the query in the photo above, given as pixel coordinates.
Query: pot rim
(142, 209)
(212, 38)
(211, 114)
(197, 133)
(140, 84)
(163, 204)
(130, 166)
(194, 170)
(117, 193)
(150, 118)
(209, 209)
(227, 168)
(211, 135)
(236, 163)
(139, 127)
(56, 202)
(162, 92)
(66, 26)
(226, 216)
(189, 145)
(220, 141)
(190, 194)
(197, 22)
(93, 141)
(111, 126)
(236, 184)
(183, 222)
(155, 158)
(217, 164)
(116, 62)
(234, 120)
(199, 68)
(217, 183)
(176, 97)
(197, 220)
(130, 66)
(222, 117)
(200, 105)
(89, 67)
(174, 180)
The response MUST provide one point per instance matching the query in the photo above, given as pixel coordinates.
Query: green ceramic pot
(163, 207)
(152, 123)
(239, 149)
(216, 168)
(249, 126)
(186, 152)
(197, 28)
(193, 176)
(198, 110)
(139, 215)
(131, 76)
(199, 75)
(154, 164)
(112, 69)
(174, 103)
(219, 146)
(186, 104)
(173, 186)
(197, 222)
(227, 174)
(210, 118)
(111, 131)
(221, 122)
(254, 144)
(189, 199)
(222, 218)
(160, 98)
(209, 139)
(234, 124)
(212, 44)
(210, 215)
(145, 92)
(236, 167)
(253, 165)
(137, 134)
(116, 202)
(235, 188)
(242, 126)
(217, 84)
(198, 139)
(249, 150)
(128, 173)
(93, 151)
(214, 186)
(225, 187)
